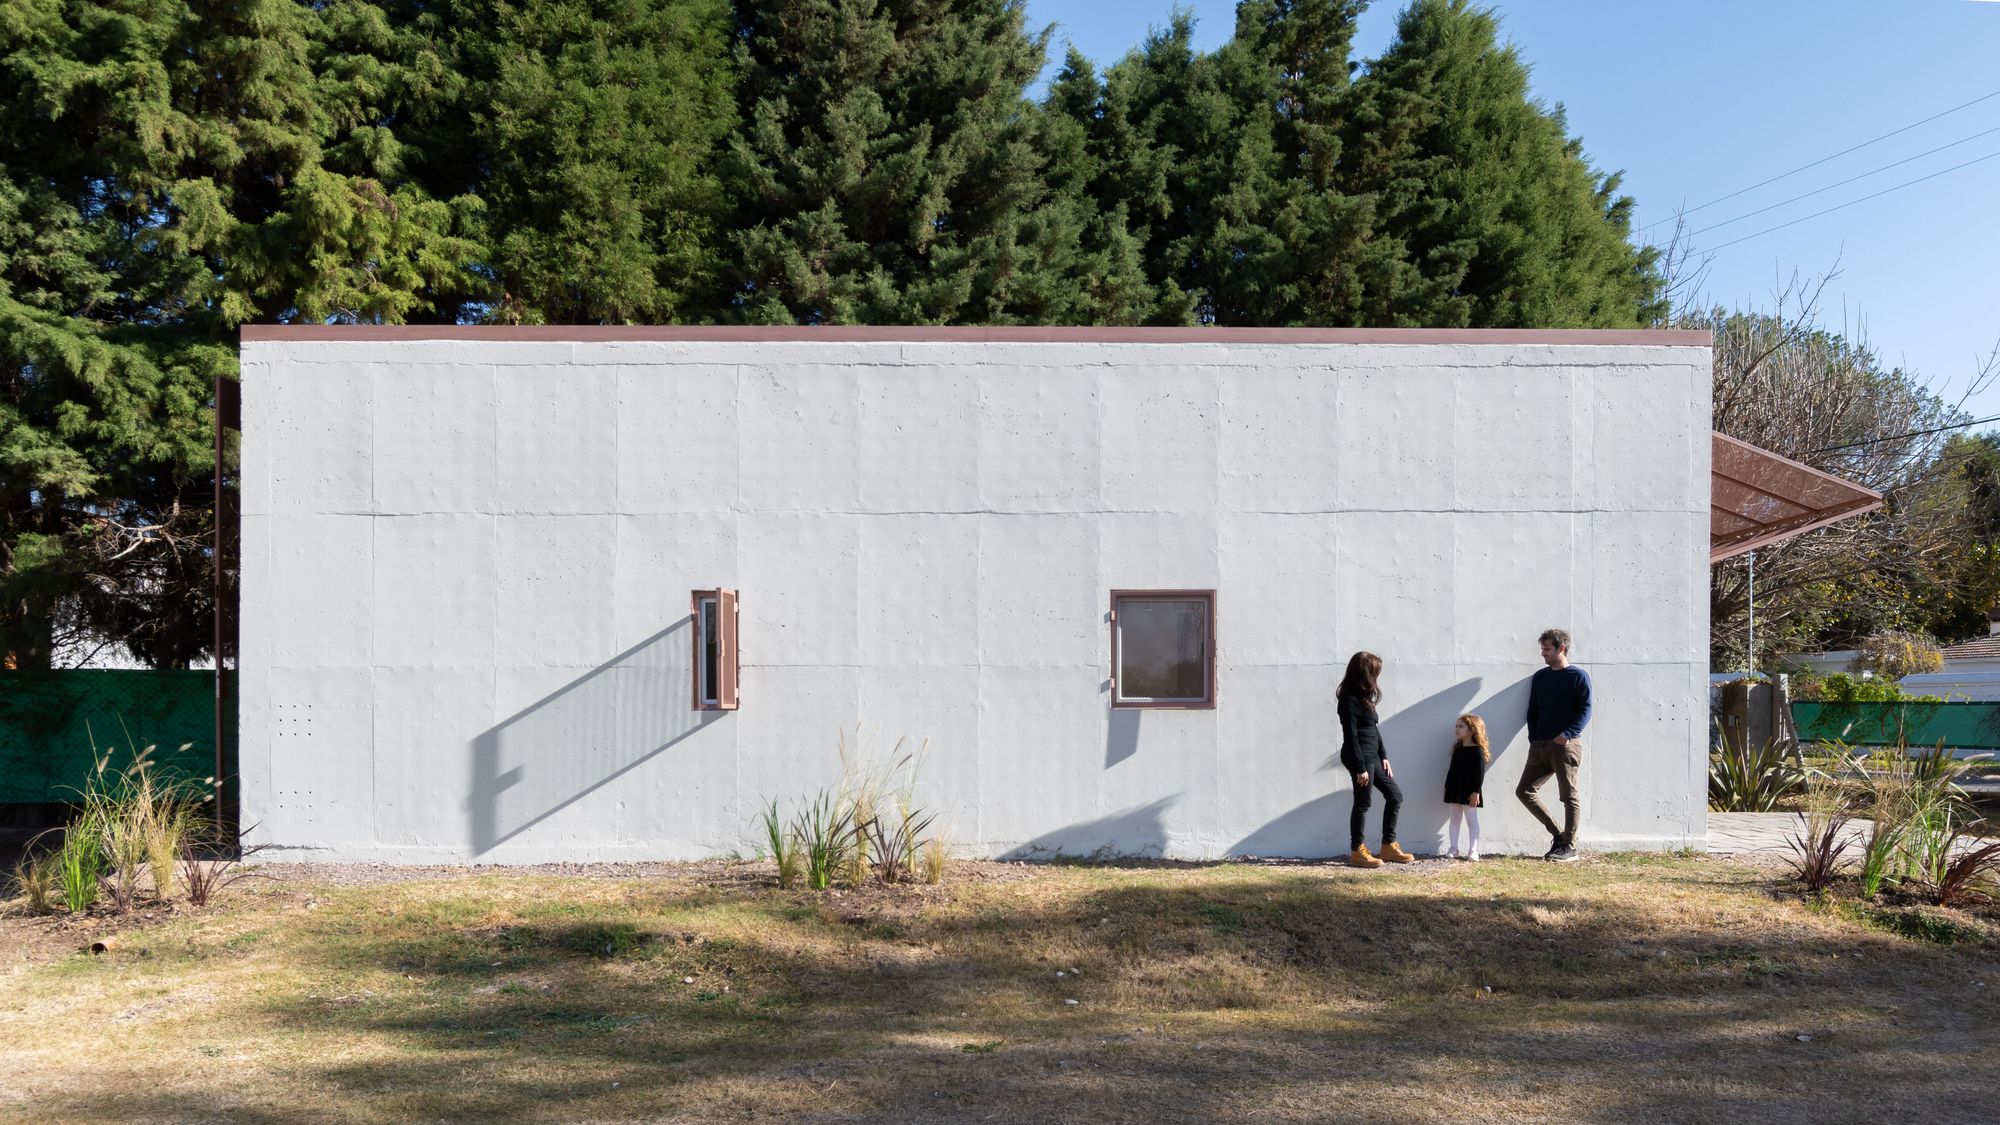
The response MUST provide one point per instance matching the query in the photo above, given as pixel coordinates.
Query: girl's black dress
(1461, 781)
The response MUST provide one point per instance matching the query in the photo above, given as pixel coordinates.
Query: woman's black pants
(1364, 796)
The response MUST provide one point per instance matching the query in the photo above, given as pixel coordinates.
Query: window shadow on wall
(582, 737)
(1121, 737)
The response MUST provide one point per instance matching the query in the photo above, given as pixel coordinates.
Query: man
(1558, 710)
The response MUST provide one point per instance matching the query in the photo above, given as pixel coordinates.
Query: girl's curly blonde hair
(1477, 726)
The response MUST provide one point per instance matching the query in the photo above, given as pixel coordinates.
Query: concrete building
(488, 575)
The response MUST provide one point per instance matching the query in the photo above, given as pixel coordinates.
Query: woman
(1362, 753)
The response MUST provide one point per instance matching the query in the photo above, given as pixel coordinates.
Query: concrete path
(1753, 833)
(1763, 833)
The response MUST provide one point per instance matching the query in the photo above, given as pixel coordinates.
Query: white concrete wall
(466, 569)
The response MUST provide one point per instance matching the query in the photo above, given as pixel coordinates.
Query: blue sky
(1701, 98)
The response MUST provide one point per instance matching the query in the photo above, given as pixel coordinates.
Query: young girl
(1469, 755)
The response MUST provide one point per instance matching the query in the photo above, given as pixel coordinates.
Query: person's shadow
(1418, 737)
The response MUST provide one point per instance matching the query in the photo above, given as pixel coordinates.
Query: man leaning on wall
(1558, 710)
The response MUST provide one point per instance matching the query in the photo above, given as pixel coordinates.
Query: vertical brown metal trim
(726, 665)
(1113, 618)
(1215, 651)
(215, 598)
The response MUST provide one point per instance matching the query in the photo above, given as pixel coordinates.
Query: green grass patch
(1222, 918)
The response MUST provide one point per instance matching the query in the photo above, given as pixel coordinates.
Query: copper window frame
(727, 686)
(1207, 702)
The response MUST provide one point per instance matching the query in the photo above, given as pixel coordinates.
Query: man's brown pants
(1563, 761)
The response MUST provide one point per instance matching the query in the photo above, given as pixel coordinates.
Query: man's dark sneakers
(1555, 846)
(1563, 853)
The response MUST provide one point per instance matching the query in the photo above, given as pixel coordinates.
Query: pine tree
(591, 131)
(173, 170)
(1078, 127)
(1491, 215)
(889, 171)
(1224, 164)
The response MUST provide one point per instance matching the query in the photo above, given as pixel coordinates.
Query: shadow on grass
(1247, 995)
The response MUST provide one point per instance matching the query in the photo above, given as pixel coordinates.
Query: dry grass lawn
(1624, 988)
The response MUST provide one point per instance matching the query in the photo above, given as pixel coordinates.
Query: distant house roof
(1981, 648)
(1757, 497)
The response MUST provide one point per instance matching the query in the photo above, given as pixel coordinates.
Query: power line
(1914, 433)
(1824, 159)
(1845, 182)
(1852, 202)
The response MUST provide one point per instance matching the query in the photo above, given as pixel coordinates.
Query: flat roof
(1011, 334)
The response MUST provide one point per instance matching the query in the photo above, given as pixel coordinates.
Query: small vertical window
(715, 663)
(1163, 648)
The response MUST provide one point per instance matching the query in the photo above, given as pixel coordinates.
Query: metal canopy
(1757, 497)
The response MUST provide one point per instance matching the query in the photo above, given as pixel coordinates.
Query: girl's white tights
(1471, 818)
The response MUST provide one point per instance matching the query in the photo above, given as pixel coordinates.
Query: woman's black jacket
(1361, 748)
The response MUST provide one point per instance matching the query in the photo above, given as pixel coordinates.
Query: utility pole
(1752, 660)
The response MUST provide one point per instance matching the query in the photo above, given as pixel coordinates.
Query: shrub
(142, 819)
(1918, 811)
(1969, 878)
(1843, 688)
(37, 877)
(869, 824)
(1746, 778)
(1819, 841)
(80, 862)
(1931, 832)
(1892, 656)
(783, 843)
(205, 877)
(821, 834)
(889, 826)
(937, 857)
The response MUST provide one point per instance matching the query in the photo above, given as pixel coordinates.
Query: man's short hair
(1556, 637)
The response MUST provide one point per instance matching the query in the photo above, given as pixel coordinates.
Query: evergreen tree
(173, 169)
(1091, 173)
(1225, 164)
(889, 171)
(1490, 213)
(591, 131)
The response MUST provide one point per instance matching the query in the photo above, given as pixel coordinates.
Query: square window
(1163, 648)
(715, 663)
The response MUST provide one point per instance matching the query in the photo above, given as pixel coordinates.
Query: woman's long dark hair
(1364, 670)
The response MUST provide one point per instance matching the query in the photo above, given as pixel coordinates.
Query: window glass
(711, 650)
(1163, 649)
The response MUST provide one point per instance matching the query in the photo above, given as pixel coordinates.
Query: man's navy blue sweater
(1558, 703)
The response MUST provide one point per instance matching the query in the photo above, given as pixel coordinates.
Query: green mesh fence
(50, 720)
(1966, 726)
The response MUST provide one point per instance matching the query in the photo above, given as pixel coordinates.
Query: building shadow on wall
(582, 737)
(1418, 738)
(1139, 832)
